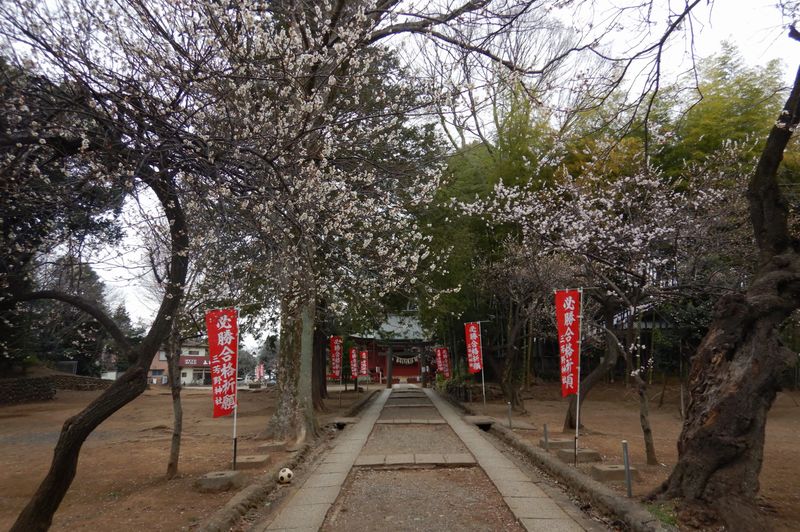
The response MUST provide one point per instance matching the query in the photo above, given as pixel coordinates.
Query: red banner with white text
(336, 357)
(568, 322)
(443, 361)
(363, 370)
(472, 331)
(223, 346)
(354, 362)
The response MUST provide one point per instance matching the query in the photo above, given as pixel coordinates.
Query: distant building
(194, 364)
(408, 342)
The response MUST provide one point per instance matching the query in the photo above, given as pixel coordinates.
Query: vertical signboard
(336, 357)
(568, 312)
(443, 361)
(354, 362)
(472, 331)
(363, 370)
(223, 346)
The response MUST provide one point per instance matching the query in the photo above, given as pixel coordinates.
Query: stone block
(584, 455)
(252, 462)
(218, 481)
(612, 472)
(459, 459)
(368, 460)
(429, 458)
(553, 444)
(399, 459)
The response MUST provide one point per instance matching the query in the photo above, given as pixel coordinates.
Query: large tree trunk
(294, 416)
(735, 374)
(173, 352)
(38, 513)
(512, 363)
(644, 419)
(319, 390)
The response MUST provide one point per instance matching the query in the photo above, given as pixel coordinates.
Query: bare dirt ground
(611, 414)
(120, 481)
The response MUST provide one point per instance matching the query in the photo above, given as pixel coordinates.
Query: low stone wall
(34, 389)
(78, 382)
(26, 390)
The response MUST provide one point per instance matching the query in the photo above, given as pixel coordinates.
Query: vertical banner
(363, 370)
(223, 343)
(336, 357)
(474, 354)
(260, 372)
(354, 362)
(446, 362)
(443, 361)
(568, 311)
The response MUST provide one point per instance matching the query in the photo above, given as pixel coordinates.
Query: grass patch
(664, 512)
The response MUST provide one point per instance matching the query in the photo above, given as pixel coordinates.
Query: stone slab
(368, 460)
(324, 480)
(612, 472)
(218, 481)
(300, 516)
(584, 455)
(412, 405)
(517, 424)
(515, 488)
(429, 458)
(551, 525)
(535, 508)
(399, 459)
(554, 444)
(459, 458)
(253, 461)
(326, 495)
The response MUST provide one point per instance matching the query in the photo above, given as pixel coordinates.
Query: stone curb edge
(627, 510)
(249, 497)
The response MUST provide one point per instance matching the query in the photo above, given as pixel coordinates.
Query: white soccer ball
(285, 475)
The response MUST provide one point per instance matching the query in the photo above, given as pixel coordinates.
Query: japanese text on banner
(443, 361)
(354, 362)
(336, 357)
(223, 339)
(363, 369)
(472, 331)
(568, 323)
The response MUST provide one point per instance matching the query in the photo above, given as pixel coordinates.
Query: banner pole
(578, 402)
(236, 382)
(483, 368)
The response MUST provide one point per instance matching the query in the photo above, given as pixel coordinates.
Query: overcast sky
(755, 26)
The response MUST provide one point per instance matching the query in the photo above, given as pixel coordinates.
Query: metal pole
(235, 411)
(627, 463)
(236, 401)
(578, 401)
(509, 415)
(483, 368)
(546, 439)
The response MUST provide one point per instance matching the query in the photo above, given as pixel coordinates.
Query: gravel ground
(390, 439)
(462, 499)
(410, 413)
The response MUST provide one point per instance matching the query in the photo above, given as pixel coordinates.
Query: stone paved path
(423, 468)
